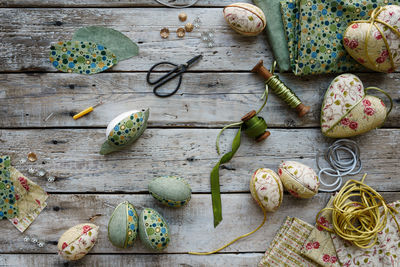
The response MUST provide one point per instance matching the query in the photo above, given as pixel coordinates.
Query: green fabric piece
(275, 32)
(117, 226)
(214, 178)
(115, 41)
(8, 208)
(315, 28)
(81, 57)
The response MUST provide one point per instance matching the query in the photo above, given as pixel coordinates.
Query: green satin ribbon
(253, 128)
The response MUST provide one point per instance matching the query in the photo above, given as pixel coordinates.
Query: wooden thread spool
(301, 109)
(255, 126)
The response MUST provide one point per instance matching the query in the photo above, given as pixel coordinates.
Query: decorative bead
(32, 157)
(182, 16)
(27, 239)
(34, 239)
(51, 179)
(41, 173)
(22, 161)
(31, 170)
(210, 44)
(41, 243)
(197, 22)
(180, 32)
(189, 27)
(164, 33)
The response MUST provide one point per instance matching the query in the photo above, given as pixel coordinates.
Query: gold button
(164, 33)
(180, 32)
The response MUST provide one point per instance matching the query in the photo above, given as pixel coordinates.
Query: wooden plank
(205, 99)
(107, 3)
(26, 35)
(191, 227)
(152, 260)
(72, 156)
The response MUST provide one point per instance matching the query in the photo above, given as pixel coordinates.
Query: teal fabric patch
(81, 57)
(314, 30)
(115, 41)
(8, 208)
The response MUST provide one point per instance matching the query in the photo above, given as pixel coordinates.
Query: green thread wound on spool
(282, 91)
(255, 127)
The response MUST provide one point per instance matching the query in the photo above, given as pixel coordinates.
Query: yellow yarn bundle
(359, 221)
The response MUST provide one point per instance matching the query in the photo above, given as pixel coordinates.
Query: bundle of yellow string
(359, 221)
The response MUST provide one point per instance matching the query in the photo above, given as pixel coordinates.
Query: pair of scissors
(178, 70)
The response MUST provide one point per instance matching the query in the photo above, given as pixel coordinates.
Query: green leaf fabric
(81, 57)
(315, 28)
(115, 41)
(214, 178)
(275, 32)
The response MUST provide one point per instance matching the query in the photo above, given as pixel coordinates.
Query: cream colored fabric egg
(246, 19)
(266, 188)
(77, 241)
(300, 180)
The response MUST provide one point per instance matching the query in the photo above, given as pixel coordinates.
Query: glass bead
(31, 170)
(210, 44)
(22, 161)
(34, 239)
(51, 179)
(204, 36)
(41, 243)
(197, 22)
(27, 239)
(41, 173)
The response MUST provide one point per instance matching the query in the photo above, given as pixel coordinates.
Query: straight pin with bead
(86, 111)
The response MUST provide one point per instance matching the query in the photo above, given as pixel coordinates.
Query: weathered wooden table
(179, 140)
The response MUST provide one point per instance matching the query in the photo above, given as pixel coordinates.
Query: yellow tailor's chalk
(86, 111)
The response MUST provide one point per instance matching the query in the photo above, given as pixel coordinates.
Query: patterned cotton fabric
(286, 246)
(315, 29)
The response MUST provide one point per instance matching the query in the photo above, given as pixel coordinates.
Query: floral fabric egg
(125, 129)
(77, 241)
(266, 188)
(298, 179)
(347, 111)
(376, 46)
(153, 230)
(123, 225)
(245, 19)
(171, 191)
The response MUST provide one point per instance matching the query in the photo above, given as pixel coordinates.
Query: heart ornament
(375, 43)
(348, 111)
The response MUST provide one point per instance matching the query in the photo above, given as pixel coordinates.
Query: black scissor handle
(177, 71)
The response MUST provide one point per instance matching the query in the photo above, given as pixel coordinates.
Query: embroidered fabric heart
(8, 209)
(376, 46)
(348, 111)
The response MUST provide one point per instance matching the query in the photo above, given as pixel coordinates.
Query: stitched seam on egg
(252, 12)
(158, 196)
(297, 181)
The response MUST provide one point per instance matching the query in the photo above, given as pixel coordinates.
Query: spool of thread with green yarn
(253, 126)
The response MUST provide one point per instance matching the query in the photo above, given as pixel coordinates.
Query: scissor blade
(193, 60)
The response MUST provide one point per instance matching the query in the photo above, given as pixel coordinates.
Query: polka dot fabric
(132, 225)
(320, 29)
(127, 129)
(153, 230)
(8, 208)
(81, 57)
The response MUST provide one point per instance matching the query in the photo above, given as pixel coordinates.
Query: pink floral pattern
(347, 111)
(298, 179)
(267, 188)
(378, 55)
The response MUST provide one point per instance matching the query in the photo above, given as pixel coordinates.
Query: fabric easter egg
(347, 111)
(171, 191)
(123, 225)
(266, 188)
(298, 179)
(246, 19)
(77, 241)
(153, 230)
(376, 43)
(81, 57)
(124, 129)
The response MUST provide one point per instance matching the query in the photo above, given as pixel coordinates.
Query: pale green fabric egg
(171, 191)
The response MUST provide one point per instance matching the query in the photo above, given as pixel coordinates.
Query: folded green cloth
(314, 31)
(275, 32)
